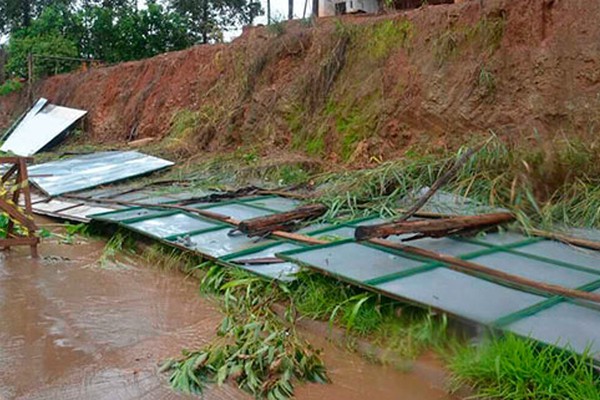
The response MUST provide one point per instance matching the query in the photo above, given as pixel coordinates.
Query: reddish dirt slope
(431, 76)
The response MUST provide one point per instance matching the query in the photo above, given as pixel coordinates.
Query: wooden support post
(432, 227)
(281, 221)
(30, 77)
(15, 182)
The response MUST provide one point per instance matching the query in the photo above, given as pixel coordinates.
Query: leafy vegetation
(111, 31)
(511, 368)
(255, 350)
(10, 86)
(106, 34)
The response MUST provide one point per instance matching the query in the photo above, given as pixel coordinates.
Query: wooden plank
(19, 241)
(432, 227)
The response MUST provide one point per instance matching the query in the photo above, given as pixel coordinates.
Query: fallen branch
(432, 227)
(442, 180)
(588, 244)
(473, 268)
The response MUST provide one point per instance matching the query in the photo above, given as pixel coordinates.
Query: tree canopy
(112, 30)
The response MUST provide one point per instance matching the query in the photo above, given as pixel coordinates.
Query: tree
(16, 14)
(107, 34)
(207, 19)
(122, 34)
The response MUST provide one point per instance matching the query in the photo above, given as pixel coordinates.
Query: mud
(71, 328)
(456, 77)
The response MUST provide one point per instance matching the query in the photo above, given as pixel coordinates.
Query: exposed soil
(515, 67)
(71, 328)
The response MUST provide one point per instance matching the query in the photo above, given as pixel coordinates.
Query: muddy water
(74, 329)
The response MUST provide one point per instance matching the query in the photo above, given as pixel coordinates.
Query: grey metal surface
(280, 204)
(281, 271)
(355, 261)
(131, 213)
(500, 238)
(442, 245)
(53, 206)
(343, 232)
(218, 243)
(310, 229)
(236, 211)
(583, 233)
(81, 213)
(564, 325)
(39, 128)
(30, 113)
(91, 170)
(171, 225)
(536, 270)
(461, 294)
(564, 253)
(447, 203)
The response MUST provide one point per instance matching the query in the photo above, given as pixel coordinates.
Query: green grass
(383, 37)
(168, 258)
(544, 183)
(511, 368)
(485, 37)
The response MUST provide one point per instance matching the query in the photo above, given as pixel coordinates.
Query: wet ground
(73, 328)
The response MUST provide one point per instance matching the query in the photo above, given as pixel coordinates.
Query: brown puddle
(71, 329)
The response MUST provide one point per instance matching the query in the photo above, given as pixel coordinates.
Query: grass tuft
(512, 368)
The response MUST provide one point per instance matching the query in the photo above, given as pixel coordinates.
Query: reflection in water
(72, 330)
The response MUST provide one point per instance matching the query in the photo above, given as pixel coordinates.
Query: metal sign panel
(37, 130)
(83, 172)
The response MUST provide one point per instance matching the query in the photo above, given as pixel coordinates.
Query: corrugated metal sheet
(404, 276)
(550, 319)
(83, 172)
(42, 124)
(32, 111)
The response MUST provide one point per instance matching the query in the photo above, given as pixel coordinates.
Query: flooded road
(71, 328)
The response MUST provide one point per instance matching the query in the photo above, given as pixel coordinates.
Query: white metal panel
(91, 170)
(36, 131)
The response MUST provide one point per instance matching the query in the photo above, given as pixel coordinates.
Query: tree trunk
(268, 12)
(2, 64)
(290, 9)
(432, 227)
(281, 221)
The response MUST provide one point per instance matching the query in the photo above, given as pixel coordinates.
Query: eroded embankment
(358, 88)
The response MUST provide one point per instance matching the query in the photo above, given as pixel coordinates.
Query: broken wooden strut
(14, 185)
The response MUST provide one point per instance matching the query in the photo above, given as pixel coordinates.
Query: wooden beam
(432, 227)
(284, 221)
(588, 244)
(478, 269)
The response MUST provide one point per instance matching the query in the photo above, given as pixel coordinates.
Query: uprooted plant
(254, 349)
